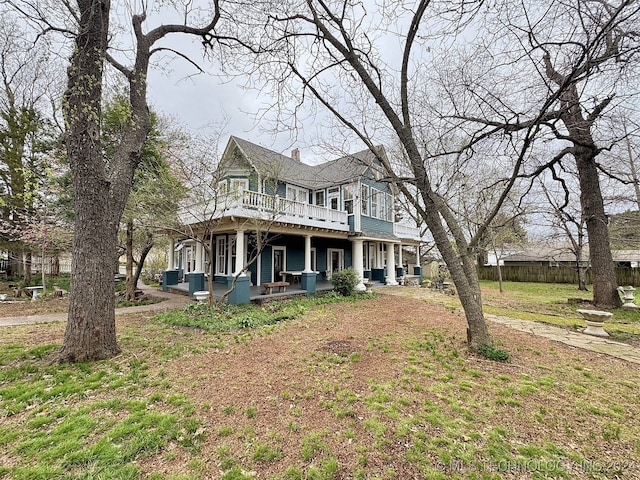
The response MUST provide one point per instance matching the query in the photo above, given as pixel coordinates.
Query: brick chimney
(295, 154)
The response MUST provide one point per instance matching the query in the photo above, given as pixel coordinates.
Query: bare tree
(327, 51)
(572, 59)
(102, 188)
(566, 220)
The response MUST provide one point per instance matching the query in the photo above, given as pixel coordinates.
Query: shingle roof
(275, 165)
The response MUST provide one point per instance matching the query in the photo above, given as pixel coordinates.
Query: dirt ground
(285, 387)
(290, 374)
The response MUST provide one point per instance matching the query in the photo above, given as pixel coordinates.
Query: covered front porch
(261, 260)
(255, 291)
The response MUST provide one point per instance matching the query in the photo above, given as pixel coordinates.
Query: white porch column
(358, 263)
(239, 252)
(400, 263)
(391, 265)
(307, 253)
(171, 255)
(199, 255)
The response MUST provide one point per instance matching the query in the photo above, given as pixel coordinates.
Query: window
(222, 187)
(374, 202)
(239, 185)
(333, 196)
(335, 260)
(221, 255)
(347, 198)
(319, 200)
(364, 200)
(382, 252)
(297, 194)
(372, 262)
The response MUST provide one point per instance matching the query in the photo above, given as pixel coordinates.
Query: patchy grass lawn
(546, 303)
(381, 388)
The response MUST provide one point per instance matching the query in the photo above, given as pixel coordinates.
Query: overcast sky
(200, 101)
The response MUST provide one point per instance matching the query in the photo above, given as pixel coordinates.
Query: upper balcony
(248, 204)
(406, 232)
(260, 206)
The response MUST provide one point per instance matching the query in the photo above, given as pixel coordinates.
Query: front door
(336, 260)
(279, 262)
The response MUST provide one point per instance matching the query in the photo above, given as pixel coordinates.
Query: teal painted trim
(196, 282)
(240, 294)
(169, 277)
(308, 282)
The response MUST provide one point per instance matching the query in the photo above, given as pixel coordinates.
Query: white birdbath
(595, 321)
(201, 295)
(627, 297)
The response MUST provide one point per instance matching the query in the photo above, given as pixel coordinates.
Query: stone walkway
(573, 338)
(172, 301)
(568, 337)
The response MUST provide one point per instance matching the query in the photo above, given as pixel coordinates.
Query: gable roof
(275, 165)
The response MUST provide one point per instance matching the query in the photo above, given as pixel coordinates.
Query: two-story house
(277, 218)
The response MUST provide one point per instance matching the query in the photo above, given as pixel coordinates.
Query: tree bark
(27, 268)
(129, 282)
(585, 151)
(100, 193)
(143, 256)
(90, 333)
(605, 283)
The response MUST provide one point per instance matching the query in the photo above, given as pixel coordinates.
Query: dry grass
(381, 388)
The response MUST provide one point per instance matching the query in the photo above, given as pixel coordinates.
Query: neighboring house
(312, 220)
(561, 255)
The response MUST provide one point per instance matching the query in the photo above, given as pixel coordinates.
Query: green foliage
(493, 353)
(226, 317)
(345, 281)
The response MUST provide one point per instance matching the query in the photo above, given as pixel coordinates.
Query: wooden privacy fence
(547, 274)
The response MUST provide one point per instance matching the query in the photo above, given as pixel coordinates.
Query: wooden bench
(267, 288)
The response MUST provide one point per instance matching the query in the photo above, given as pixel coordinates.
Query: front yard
(378, 388)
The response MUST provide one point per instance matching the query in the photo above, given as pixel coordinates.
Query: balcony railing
(404, 231)
(250, 204)
(266, 207)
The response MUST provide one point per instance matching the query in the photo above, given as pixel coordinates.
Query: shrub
(493, 353)
(345, 281)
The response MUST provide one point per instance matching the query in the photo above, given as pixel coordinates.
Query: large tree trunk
(585, 151)
(605, 283)
(90, 332)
